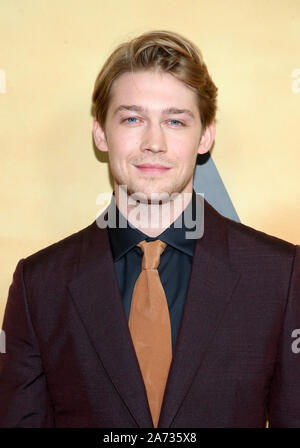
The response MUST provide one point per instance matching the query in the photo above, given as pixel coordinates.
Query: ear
(207, 139)
(99, 137)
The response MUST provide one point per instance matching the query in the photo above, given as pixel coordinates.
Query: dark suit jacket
(70, 361)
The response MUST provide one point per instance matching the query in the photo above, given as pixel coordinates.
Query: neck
(152, 217)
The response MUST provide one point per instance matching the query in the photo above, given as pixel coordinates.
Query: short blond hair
(161, 50)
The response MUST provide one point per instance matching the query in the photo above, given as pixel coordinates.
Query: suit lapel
(96, 295)
(97, 298)
(210, 290)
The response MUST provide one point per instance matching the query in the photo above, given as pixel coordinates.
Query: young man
(130, 324)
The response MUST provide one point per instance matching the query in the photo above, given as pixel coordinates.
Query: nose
(153, 138)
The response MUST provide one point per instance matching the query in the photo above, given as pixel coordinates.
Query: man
(132, 324)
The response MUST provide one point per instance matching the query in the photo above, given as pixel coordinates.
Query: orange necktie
(150, 328)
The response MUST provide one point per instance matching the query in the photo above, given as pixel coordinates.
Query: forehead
(152, 90)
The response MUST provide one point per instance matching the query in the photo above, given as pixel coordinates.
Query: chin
(151, 195)
(152, 191)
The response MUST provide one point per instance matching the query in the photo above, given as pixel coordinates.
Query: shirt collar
(122, 239)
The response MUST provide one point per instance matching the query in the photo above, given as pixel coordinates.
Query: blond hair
(161, 50)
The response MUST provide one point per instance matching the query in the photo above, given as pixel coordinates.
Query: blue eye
(130, 118)
(177, 122)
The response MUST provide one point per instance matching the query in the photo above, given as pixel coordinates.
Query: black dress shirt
(174, 268)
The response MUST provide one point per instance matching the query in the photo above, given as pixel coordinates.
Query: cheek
(121, 145)
(183, 146)
(185, 155)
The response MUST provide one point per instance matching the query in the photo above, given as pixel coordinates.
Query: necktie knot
(152, 251)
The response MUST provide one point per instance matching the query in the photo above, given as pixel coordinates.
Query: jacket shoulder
(249, 240)
(244, 237)
(62, 252)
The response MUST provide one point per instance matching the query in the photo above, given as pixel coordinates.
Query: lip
(152, 169)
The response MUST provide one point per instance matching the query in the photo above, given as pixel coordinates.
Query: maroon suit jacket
(70, 361)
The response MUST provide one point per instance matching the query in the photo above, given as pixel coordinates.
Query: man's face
(152, 133)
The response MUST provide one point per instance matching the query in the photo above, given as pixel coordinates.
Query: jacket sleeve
(284, 402)
(24, 399)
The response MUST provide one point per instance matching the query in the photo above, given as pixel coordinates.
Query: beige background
(50, 54)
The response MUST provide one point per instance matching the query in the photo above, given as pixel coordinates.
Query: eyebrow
(170, 110)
